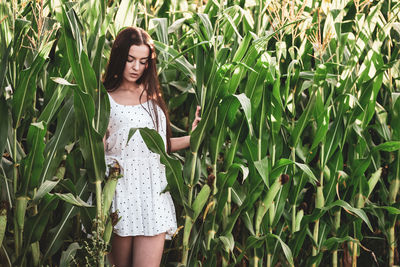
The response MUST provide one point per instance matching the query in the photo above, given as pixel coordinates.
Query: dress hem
(168, 234)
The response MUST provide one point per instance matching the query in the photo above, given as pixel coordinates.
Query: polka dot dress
(143, 209)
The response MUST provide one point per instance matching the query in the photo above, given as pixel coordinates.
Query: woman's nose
(136, 65)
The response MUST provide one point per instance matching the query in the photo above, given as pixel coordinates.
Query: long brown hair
(116, 65)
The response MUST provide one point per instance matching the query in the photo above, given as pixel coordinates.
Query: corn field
(295, 162)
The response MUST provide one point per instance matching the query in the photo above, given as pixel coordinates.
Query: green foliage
(297, 149)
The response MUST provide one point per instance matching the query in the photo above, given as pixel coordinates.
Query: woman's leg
(121, 251)
(147, 250)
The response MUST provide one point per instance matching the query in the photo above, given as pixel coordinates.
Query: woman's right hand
(197, 118)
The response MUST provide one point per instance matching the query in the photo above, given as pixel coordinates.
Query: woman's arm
(178, 143)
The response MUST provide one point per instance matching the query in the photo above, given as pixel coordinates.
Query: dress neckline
(118, 104)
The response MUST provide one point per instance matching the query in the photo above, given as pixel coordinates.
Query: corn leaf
(173, 167)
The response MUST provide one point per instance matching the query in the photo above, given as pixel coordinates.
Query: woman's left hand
(197, 118)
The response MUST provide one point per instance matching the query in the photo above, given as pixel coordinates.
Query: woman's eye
(141, 62)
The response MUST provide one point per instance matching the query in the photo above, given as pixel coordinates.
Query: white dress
(143, 209)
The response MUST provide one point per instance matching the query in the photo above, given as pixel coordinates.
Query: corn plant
(44, 117)
(309, 89)
(295, 161)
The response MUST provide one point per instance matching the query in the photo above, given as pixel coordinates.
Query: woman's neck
(132, 87)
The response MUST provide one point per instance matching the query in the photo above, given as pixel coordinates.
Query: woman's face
(136, 63)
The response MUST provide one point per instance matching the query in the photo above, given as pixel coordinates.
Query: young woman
(147, 215)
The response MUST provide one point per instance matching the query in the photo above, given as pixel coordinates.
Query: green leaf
(198, 134)
(255, 82)
(278, 168)
(62, 81)
(322, 128)
(70, 198)
(4, 123)
(228, 242)
(4, 65)
(267, 202)
(225, 180)
(45, 188)
(237, 73)
(181, 63)
(102, 104)
(225, 115)
(161, 28)
(33, 163)
(35, 226)
(200, 201)
(285, 248)
(200, 74)
(359, 212)
(243, 46)
(255, 241)
(246, 105)
(275, 115)
(176, 25)
(236, 132)
(83, 72)
(320, 74)
(366, 27)
(281, 50)
(233, 17)
(173, 167)
(91, 143)
(390, 146)
(306, 169)
(262, 168)
(54, 103)
(332, 140)
(56, 234)
(250, 198)
(63, 135)
(97, 61)
(25, 89)
(391, 210)
(330, 243)
(126, 15)
(374, 180)
(68, 255)
(361, 166)
(303, 120)
(205, 20)
(131, 133)
(258, 241)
